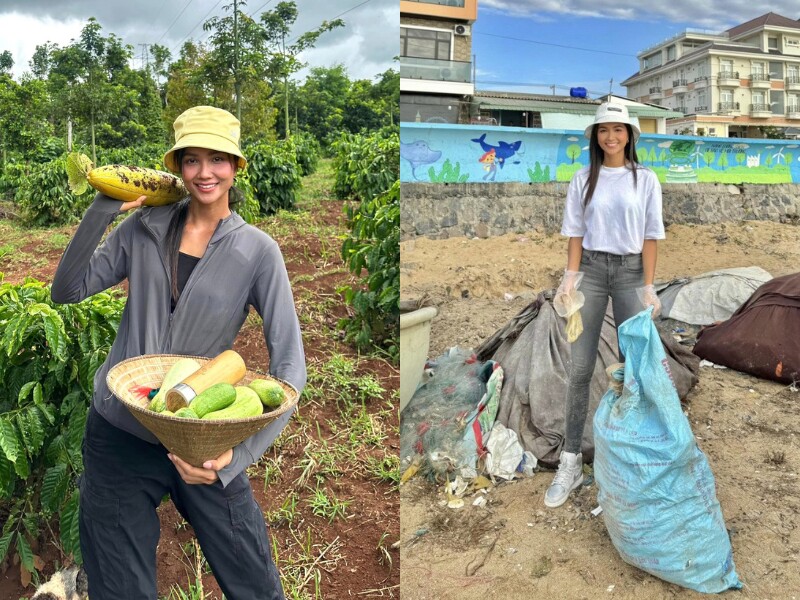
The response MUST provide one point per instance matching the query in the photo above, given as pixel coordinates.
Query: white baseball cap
(609, 112)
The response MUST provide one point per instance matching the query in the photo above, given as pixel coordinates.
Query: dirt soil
(347, 550)
(514, 547)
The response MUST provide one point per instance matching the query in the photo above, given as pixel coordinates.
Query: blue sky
(530, 45)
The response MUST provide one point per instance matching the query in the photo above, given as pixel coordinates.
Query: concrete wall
(480, 210)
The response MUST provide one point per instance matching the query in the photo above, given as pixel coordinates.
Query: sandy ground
(514, 547)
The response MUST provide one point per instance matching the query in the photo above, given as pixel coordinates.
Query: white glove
(648, 297)
(568, 299)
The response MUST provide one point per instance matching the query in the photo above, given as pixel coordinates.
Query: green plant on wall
(537, 175)
(448, 173)
(573, 152)
(722, 161)
(768, 160)
(740, 158)
(662, 157)
(652, 155)
(789, 157)
(641, 154)
(708, 156)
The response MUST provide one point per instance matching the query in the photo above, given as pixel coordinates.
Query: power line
(175, 20)
(252, 14)
(340, 14)
(195, 27)
(506, 37)
(540, 85)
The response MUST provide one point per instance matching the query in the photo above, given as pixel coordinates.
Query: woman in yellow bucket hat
(194, 269)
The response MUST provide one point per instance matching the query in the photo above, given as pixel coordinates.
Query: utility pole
(145, 57)
(237, 84)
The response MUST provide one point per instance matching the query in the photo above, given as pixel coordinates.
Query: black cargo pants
(123, 483)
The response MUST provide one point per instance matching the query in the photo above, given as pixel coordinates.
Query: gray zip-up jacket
(241, 267)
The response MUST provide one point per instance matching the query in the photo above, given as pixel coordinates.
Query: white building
(730, 84)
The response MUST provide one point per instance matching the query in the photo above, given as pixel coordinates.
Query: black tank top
(186, 264)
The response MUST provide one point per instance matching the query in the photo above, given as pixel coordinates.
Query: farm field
(328, 486)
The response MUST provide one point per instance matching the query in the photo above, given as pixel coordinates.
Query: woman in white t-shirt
(613, 220)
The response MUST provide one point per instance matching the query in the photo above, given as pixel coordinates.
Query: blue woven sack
(654, 484)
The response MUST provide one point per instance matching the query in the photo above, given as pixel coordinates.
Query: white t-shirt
(618, 217)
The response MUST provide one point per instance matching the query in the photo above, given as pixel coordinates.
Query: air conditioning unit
(461, 29)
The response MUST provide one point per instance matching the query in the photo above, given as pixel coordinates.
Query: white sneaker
(568, 477)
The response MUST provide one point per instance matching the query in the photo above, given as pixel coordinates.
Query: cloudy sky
(363, 45)
(531, 45)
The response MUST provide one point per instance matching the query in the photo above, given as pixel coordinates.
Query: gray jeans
(604, 275)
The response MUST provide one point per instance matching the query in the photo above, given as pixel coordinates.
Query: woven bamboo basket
(194, 440)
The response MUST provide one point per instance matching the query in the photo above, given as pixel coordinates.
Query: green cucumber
(217, 397)
(247, 404)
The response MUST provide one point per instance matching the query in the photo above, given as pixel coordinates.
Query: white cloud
(717, 15)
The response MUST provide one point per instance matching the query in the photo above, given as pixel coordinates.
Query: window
(701, 71)
(425, 43)
(793, 102)
(759, 98)
(757, 68)
(793, 74)
(792, 42)
(725, 65)
(772, 43)
(726, 96)
(671, 53)
(654, 60)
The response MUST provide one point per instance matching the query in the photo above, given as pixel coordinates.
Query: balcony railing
(793, 111)
(793, 79)
(760, 108)
(701, 78)
(759, 77)
(723, 106)
(680, 83)
(435, 70)
(700, 109)
(459, 3)
(728, 75)
(682, 109)
(655, 89)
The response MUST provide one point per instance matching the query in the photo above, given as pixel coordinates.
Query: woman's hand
(649, 297)
(126, 206)
(206, 475)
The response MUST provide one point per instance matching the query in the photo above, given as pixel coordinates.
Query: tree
(238, 51)
(573, 152)
(319, 102)
(278, 24)
(88, 75)
(6, 61)
(23, 115)
(188, 85)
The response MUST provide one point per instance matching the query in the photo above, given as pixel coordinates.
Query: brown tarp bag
(763, 336)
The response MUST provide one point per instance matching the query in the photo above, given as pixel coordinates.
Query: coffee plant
(48, 356)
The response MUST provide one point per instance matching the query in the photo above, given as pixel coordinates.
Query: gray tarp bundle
(534, 353)
(710, 297)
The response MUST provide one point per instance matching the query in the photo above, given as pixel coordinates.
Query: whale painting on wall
(447, 154)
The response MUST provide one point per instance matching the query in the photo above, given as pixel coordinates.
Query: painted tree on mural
(573, 152)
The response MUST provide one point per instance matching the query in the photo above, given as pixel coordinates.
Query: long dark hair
(596, 156)
(172, 242)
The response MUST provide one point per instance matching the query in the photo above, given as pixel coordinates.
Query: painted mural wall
(471, 153)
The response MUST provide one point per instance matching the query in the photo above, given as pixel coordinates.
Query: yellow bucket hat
(205, 127)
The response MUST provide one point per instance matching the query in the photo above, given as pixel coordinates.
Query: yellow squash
(123, 182)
